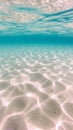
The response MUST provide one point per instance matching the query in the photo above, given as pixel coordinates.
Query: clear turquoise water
(46, 28)
(36, 68)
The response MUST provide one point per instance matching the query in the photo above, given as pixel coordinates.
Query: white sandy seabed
(36, 89)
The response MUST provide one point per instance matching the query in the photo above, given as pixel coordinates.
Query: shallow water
(36, 65)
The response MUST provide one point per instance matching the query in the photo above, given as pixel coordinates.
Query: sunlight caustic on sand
(36, 96)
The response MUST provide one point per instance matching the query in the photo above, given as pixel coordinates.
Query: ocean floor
(36, 88)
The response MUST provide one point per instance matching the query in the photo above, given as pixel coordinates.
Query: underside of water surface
(36, 64)
(36, 17)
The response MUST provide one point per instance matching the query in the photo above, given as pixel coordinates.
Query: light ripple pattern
(36, 88)
(36, 16)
